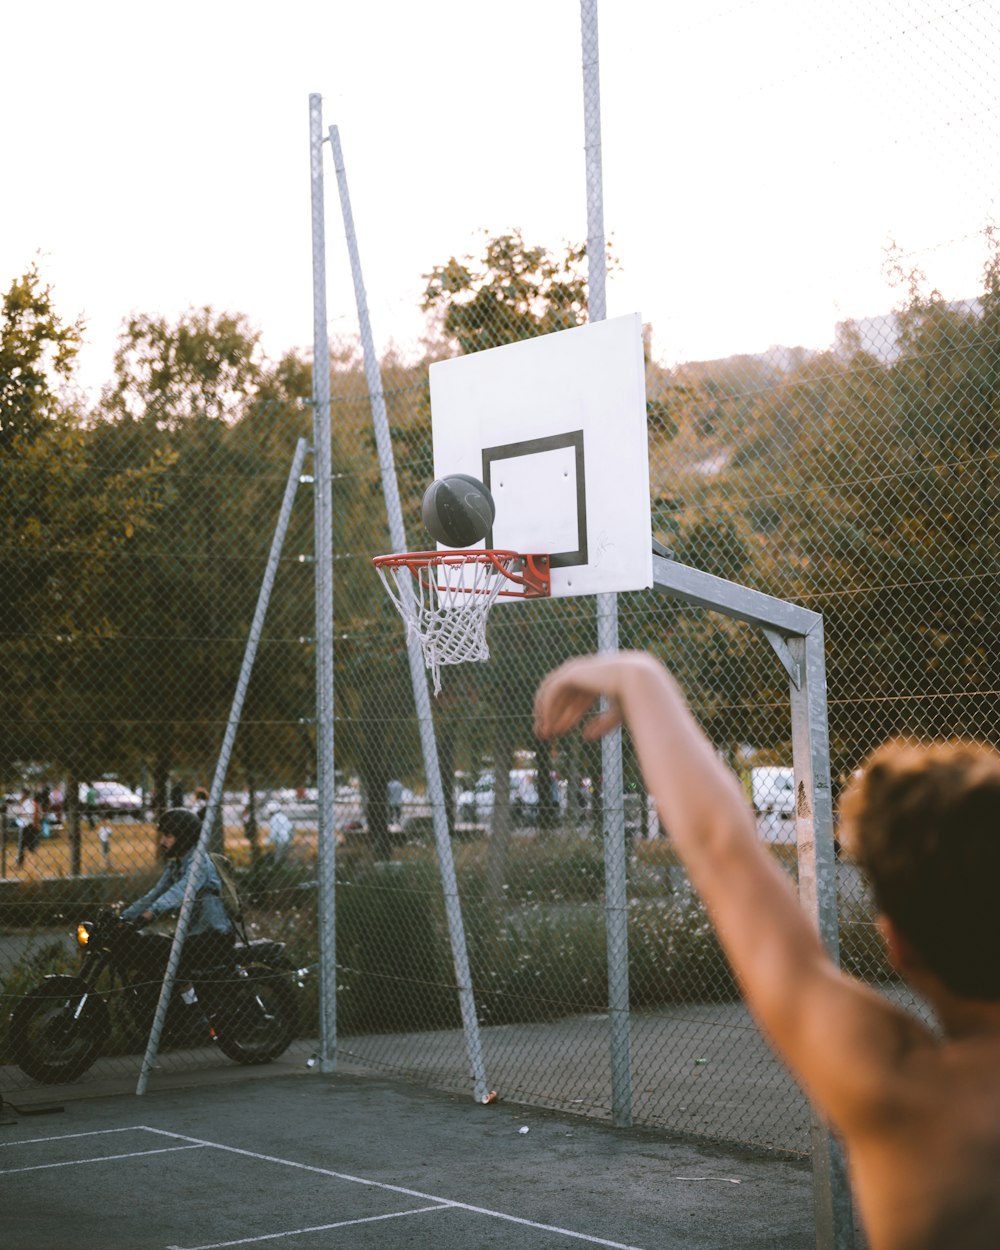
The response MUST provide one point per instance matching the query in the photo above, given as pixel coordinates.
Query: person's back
(918, 1110)
(925, 1171)
(280, 832)
(924, 823)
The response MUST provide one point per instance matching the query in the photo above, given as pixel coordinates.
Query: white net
(445, 599)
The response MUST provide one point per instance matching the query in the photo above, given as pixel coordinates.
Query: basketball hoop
(445, 597)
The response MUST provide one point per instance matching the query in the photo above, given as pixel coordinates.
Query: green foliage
(568, 870)
(394, 970)
(675, 955)
(67, 515)
(274, 883)
(543, 963)
(197, 391)
(866, 489)
(36, 350)
(48, 958)
(513, 292)
(545, 958)
(62, 901)
(206, 365)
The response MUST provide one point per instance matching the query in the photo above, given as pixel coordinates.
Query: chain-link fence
(859, 481)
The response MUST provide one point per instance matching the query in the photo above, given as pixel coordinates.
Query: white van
(773, 791)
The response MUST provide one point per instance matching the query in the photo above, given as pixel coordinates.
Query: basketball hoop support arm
(535, 576)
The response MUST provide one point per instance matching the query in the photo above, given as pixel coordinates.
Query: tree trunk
(548, 795)
(72, 816)
(251, 830)
(375, 778)
(499, 846)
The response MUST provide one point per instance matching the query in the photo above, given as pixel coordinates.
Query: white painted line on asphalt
(316, 1228)
(97, 1132)
(196, 1143)
(72, 1163)
(399, 1189)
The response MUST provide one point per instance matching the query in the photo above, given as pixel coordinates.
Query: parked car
(114, 798)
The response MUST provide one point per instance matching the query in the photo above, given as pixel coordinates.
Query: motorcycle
(248, 1006)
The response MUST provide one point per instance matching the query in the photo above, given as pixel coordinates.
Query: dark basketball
(458, 510)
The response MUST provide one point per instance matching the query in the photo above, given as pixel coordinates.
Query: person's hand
(569, 692)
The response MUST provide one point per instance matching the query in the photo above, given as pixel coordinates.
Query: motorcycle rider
(209, 940)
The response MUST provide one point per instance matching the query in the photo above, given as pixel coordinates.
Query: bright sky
(758, 155)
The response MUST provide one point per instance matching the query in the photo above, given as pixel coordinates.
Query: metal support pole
(796, 635)
(418, 673)
(613, 804)
(818, 893)
(221, 767)
(326, 841)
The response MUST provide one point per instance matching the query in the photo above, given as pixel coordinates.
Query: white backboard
(556, 428)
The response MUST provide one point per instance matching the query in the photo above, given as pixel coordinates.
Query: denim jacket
(168, 893)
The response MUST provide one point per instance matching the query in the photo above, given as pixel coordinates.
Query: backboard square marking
(538, 473)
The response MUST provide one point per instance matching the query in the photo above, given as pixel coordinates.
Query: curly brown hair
(923, 822)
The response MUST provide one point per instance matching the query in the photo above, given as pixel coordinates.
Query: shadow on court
(311, 1161)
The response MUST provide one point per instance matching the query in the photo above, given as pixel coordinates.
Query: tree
(513, 292)
(37, 349)
(275, 744)
(67, 518)
(866, 488)
(206, 365)
(179, 390)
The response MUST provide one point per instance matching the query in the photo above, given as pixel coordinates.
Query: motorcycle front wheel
(258, 1017)
(53, 1040)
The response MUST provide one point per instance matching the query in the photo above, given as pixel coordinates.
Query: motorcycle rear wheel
(258, 1020)
(50, 1040)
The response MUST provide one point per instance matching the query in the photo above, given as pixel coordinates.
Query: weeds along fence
(860, 483)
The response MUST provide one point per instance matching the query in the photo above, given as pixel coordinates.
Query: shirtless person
(919, 1114)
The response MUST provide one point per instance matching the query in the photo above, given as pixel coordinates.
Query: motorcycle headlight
(83, 933)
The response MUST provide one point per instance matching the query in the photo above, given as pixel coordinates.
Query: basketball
(458, 510)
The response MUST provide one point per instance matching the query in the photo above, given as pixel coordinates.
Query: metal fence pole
(796, 634)
(325, 777)
(818, 892)
(221, 767)
(418, 673)
(613, 802)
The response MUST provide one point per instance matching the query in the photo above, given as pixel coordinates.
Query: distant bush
(65, 900)
(543, 956)
(675, 955)
(394, 965)
(41, 961)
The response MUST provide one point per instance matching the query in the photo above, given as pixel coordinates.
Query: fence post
(613, 798)
(818, 893)
(418, 675)
(323, 502)
(796, 634)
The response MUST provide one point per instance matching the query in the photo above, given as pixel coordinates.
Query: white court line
(97, 1132)
(398, 1189)
(316, 1228)
(72, 1163)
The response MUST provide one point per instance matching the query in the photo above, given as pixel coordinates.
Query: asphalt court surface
(312, 1162)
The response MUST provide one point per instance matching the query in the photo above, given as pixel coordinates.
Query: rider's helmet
(183, 826)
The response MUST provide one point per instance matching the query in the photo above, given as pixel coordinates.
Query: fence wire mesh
(860, 481)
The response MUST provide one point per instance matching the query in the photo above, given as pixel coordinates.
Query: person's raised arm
(838, 1037)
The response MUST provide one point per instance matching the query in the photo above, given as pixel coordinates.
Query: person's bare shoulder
(857, 1053)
